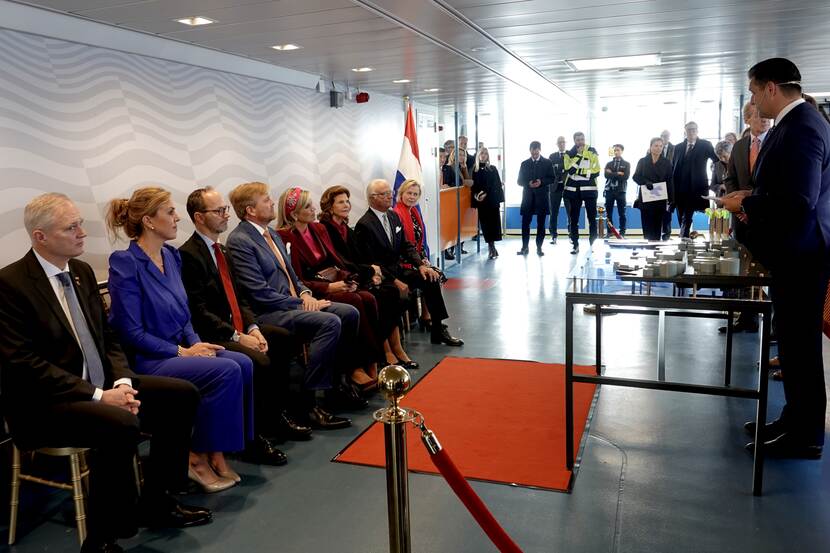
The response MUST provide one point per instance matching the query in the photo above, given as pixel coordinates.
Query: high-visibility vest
(584, 179)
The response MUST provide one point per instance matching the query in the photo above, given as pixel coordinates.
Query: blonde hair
(285, 220)
(406, 185)
(128, 213)
(478, 159)
(40, 212)
(246, 195)
(327, 200)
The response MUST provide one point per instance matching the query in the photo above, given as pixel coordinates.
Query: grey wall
(95, 124)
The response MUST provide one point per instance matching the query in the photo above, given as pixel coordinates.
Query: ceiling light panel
(620, 62)
(196, 21)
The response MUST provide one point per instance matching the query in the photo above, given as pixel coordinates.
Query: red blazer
(303, 260)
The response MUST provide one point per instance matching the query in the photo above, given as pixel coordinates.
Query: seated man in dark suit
(380, 233)
(66, 383)
(221, 315)
(277, 297)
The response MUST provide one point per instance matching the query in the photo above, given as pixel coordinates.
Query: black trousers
(684, 219)
(271, 376)
(615, 197)
(540, 229)
(431, 295)
(575, 206)
(652, 215)
(555, 201)
(666, 230)
(798, 294)
(167, 411)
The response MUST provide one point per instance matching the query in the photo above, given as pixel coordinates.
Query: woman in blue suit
(150, 312)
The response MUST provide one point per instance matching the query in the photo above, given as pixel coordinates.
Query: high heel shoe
(228, 474)
(220, 485)
(409, 365)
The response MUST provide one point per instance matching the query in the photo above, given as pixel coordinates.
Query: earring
(152, 227)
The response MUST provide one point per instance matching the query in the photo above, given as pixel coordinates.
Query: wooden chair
(78, 471)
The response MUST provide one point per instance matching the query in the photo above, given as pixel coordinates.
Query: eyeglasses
(221, 211)
(384, 194)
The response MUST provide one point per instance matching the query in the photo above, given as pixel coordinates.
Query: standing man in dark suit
(557, 160)
(668, 153)
(535, 178)
(221, 315)
(277, 297)
(380, 234)
(792, 178)
(689, 177)
(617, 172)
(66, 383)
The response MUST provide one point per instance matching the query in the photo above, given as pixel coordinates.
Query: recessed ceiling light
(286, 47)
(431, 89)
(196, 20)
(478, 49)
(362, 69)
(620, 62)
(402, 81)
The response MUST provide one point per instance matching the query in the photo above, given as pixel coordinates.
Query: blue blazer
(149, 308)
(259, 273)
(789, 210)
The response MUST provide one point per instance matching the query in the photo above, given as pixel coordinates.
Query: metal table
(610, 292)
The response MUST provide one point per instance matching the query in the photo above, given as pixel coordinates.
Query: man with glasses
(691, 182)
(380, 233)
(221, 315)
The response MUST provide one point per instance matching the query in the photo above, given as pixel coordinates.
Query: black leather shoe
(539, 252)
(523, 251)
(91, 546)
(448, 255)
(575, 250)
(553, 240)
(464, 251)
(169, 513)
(289, 429)
(409, 365)
(262, 451)
(771, 430)
(346, 398)
(443, 336)
(323, 420)
(787, 447)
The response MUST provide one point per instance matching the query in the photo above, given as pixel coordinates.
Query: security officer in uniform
(582, 168)
(617, 172)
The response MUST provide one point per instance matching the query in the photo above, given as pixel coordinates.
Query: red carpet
(500, 420)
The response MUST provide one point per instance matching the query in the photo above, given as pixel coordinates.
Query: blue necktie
(90, 351)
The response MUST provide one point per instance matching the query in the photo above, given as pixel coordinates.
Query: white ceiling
(706, 46)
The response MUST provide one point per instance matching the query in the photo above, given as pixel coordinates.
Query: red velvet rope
(474, 503)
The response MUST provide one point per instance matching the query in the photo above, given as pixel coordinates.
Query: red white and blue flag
(409, 166)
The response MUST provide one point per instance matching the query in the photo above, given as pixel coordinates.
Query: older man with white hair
(380, 232)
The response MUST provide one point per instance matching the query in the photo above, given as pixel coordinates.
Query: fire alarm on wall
(362, 97)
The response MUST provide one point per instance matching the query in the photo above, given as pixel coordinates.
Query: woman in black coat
(487, 196)
(652, 169)
(334, 214)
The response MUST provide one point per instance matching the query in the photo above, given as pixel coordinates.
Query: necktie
(387, 227)
(280, 260)
(88, 347)
(754, 148)
(689, 147)
(225, 276)
(666, 150)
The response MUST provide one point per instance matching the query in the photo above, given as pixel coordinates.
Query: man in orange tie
(221, 315)
(278, 297)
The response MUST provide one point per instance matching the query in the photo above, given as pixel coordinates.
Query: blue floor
(661, 471)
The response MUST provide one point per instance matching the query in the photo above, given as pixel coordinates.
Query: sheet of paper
(659, 192)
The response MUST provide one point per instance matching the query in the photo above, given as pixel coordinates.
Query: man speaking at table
(788, 223)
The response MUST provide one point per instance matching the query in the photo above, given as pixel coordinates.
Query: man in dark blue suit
(690, 178)
(279, 298)
(788, 223)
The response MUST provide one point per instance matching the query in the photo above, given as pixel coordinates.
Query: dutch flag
(409, 166)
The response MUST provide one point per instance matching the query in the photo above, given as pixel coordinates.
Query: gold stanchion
(394, 381)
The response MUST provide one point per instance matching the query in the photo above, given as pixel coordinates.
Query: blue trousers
(225, 418)
(327, 329)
